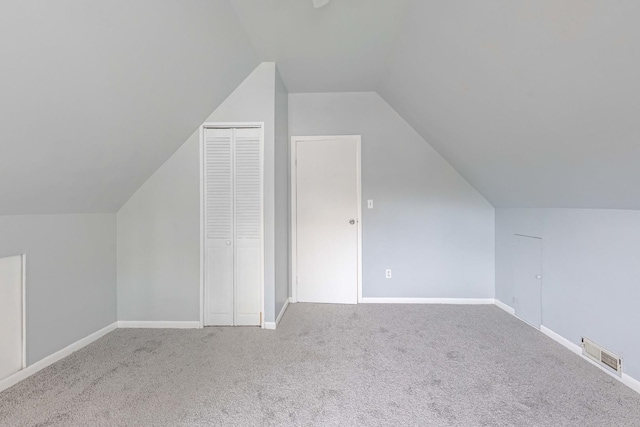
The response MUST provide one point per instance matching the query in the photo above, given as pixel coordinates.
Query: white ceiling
(536, 103)
(95, 96)
(342, 46)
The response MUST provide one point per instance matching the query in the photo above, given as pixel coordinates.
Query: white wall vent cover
(601, 356)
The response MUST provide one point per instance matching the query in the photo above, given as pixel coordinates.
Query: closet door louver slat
(248, 184)
(219, 185)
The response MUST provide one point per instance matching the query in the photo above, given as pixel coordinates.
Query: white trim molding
(274, 325)
(453, 301)
(55, 357)
(630, 382)
(284, 308)
(153, 324)
(575, 348)
(625, 379)
(270, 325)
(505, 307)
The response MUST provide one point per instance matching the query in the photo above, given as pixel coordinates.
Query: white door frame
(226, 125)
(294, 201)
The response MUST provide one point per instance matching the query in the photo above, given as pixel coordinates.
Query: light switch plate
(370, 204)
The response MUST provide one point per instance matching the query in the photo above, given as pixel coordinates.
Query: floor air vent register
(601, 356)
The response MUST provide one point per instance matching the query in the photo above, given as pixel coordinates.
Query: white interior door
(10, 316)
(528, 279)
(327, 197)
(233, 226)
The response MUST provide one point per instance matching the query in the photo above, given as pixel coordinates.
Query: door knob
(538, 277)
(352, 221)
(228, 242)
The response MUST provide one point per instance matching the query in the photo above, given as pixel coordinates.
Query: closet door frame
(227, 125)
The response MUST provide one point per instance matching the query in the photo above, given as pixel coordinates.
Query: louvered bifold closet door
(219, 226)
(248, 226)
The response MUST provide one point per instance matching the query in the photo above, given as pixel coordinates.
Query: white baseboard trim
(458, 301)
(55, 357)
(274, 325)
(284, 308)
(505, 307)
(153, 324)
(630, 382)
(575, 348)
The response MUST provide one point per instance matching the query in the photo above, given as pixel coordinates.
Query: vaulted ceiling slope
(340, 47)
(96, 95)
(535, 102)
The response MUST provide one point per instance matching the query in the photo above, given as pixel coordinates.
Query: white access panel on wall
(528, 279)
(11, 316)
(233, 226)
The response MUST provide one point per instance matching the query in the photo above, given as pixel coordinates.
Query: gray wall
(590, 271)
(159, 227)
(159, 243)
(429, 225)
(282, 201)
(71, 276)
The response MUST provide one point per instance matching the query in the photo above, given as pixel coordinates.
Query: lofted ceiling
(534, 102)
(342, 46)
(96, 95)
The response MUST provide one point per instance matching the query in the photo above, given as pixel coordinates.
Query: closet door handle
(228, 242)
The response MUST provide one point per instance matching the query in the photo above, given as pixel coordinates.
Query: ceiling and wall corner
(340, 47)
(97, 95)
(534, 103)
